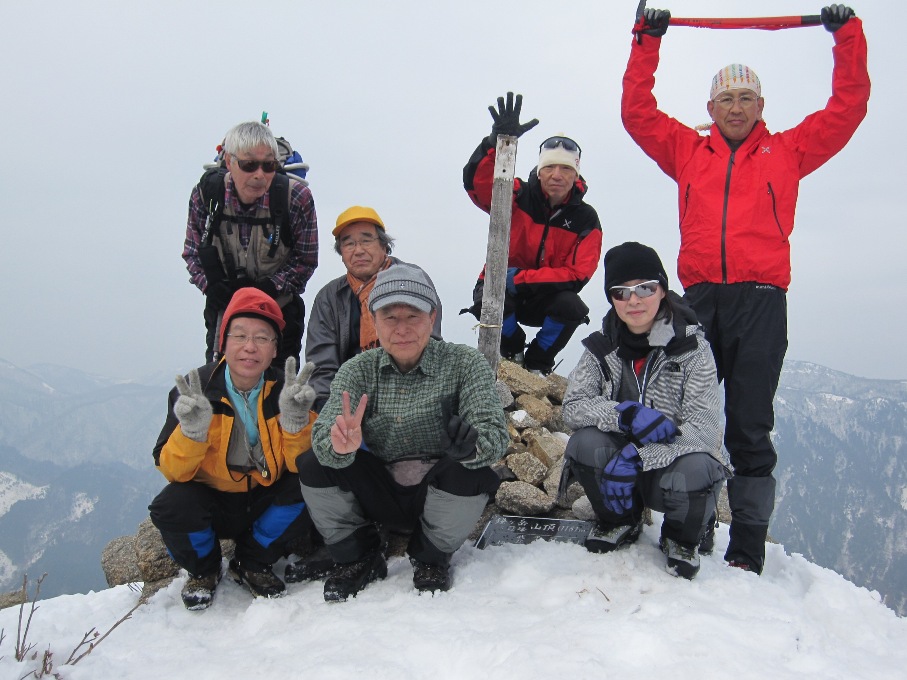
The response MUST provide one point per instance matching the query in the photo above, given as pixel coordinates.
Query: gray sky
(109, 110)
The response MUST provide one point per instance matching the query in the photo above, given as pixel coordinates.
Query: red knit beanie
(255, 303)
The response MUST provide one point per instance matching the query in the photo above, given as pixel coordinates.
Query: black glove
(459, 441)
(221, 292)
(507, 119)
(653, 22)
(835, 16)
(267, 286)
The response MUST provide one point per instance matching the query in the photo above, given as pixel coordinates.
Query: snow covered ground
(544, 610)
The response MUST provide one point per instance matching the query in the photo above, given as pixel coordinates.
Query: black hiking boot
(348, 579)
(198, 591)
(312, 567)
(607, 539)
(261, 582)
(428, 578)
(683, 560)
(707, 542)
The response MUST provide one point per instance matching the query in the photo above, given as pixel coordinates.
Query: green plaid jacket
(406, 413)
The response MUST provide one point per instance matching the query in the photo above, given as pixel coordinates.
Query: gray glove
(192, 408)
(296, 397)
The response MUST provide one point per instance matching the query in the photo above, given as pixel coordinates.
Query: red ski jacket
(737, 207)
(554, 249)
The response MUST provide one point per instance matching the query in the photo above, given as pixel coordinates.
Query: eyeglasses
(251, 166)
(565, 142)
(642, 290)
(257, 340)
(349, 244)
(727, 101)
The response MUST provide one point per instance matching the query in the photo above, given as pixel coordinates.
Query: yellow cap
(357, 213)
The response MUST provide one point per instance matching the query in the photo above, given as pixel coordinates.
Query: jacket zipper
(727, 195)
(540, 255)
(686, 204)
(771, 192)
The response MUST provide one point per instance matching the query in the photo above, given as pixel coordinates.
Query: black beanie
(632, 260)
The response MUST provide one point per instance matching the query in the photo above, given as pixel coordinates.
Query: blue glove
(619, 480)
(645, 424)
(511, 286)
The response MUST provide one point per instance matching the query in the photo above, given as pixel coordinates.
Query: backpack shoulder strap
(279, 205)
(212, 187)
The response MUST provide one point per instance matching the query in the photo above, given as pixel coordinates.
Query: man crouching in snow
(228, 449)
(433, 424)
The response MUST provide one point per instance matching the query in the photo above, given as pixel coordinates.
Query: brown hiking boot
(198, 591)
(261, 583)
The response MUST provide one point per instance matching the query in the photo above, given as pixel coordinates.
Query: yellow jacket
(181, 459)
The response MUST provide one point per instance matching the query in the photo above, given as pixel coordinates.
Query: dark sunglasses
(565, 142)
(642, 290)
(252, 166)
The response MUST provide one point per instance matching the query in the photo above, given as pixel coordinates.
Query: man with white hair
(251, 225)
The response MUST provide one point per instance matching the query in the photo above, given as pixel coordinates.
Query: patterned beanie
(735, 77)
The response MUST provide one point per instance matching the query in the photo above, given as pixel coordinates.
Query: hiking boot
(312, 567)
(683, 560)
(261, 583)
(348, 579)
(428, 578)
(515, 357)
(543, 372)
(198, 591)
(707, 542)
(607, 539)
(745, 566)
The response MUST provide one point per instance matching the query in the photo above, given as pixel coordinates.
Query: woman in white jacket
(644, 403)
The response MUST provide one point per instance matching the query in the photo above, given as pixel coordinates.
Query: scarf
(368, 336)
(246, 406)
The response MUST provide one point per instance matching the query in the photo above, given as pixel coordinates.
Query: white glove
(296, 397)
(192, 408)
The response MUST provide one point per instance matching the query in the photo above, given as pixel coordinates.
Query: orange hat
(255, 303)
(358, 213)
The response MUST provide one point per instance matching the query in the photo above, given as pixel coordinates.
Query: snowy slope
(538, 611)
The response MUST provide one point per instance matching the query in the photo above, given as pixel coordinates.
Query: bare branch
(22, 644)
(92, 645)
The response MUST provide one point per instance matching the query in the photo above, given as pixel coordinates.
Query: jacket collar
(719, 144)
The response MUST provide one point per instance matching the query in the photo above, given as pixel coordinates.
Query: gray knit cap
(403, 284)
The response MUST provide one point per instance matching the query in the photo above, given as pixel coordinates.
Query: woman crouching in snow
(643, 401)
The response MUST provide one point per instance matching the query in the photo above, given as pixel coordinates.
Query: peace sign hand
(346, 432)
(192, 408)
(296, 397)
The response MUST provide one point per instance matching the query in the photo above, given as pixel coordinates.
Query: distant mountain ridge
(842, 475)
(85, 442)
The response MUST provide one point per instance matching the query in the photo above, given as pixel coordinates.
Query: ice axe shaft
(763, 23)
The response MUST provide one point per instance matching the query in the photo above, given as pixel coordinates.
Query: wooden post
(498, 251)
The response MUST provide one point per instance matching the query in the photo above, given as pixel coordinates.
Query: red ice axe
(764, 23)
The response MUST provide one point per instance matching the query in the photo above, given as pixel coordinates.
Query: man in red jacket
(737, 197)
(555, 241)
